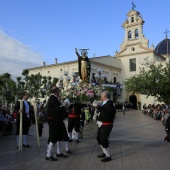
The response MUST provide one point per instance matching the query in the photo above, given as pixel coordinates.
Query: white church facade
(134, 51)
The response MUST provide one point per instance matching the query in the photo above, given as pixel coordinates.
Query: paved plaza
(136, 143)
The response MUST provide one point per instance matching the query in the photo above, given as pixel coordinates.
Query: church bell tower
(133, 27)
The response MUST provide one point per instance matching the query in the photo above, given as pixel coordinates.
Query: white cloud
(15, 56)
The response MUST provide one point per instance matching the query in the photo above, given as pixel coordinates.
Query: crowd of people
(8, 116)
(120, 106)
(159, 112)
(6, 122)
(61, 132)
(66, 120)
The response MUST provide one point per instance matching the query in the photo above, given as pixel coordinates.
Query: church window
(133, 49)
(61, 81)
(114, 79)
(132, 19)
(129, 35)
(136, 33)
(77, 74)
(93, 80)
(132, 64)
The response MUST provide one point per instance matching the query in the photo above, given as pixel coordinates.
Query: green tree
(152, 81)
(38, 85)
(7, 84)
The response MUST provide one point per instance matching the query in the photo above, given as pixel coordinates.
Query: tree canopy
(151, 81)
(7, 84)
(35, 84)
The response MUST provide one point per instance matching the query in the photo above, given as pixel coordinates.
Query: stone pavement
(136, 143)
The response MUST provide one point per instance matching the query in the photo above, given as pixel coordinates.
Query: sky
(37, 31)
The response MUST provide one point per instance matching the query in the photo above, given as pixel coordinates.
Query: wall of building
(57, 70)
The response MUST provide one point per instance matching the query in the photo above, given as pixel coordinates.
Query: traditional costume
(26, 121)
(105, 125)
(55, 116)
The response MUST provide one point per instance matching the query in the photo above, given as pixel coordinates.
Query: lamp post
(100, 76)
(65, 82)
(74, 82)
(73, 75)
(67, 78)
(61, 83)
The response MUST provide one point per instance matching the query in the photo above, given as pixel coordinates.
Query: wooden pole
(36, 122)
(20, 129)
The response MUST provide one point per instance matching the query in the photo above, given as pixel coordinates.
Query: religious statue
(84, 65)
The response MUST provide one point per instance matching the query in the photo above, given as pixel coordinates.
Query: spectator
(5, 124)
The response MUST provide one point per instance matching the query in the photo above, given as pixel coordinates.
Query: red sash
(106, 123)
(72, 115)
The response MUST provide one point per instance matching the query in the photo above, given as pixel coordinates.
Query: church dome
(161, 48)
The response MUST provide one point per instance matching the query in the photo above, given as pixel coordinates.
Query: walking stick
(36, 122)
(20, 129)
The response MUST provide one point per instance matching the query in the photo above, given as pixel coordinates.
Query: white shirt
(104, 102)
(27, 108)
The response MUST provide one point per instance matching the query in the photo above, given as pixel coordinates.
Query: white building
(134, 51)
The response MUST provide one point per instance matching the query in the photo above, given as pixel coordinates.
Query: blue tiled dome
(161, 48)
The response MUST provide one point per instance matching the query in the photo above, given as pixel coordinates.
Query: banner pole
(36, 122)
(20, 129)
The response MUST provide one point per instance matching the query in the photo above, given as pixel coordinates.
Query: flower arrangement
(82, 92)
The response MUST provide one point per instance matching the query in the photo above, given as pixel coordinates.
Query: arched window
(136, 33)
(132, 19)
(129, 35)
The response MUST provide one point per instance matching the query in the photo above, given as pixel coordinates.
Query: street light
(100, 76)
(61, 82)
(66, 73)
(68, 78)
(65, 83)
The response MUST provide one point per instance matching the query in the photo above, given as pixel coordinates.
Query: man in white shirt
(25, 117)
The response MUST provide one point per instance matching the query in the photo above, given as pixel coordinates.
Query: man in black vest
(55, 115)
(105, 124)
(26, 119)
